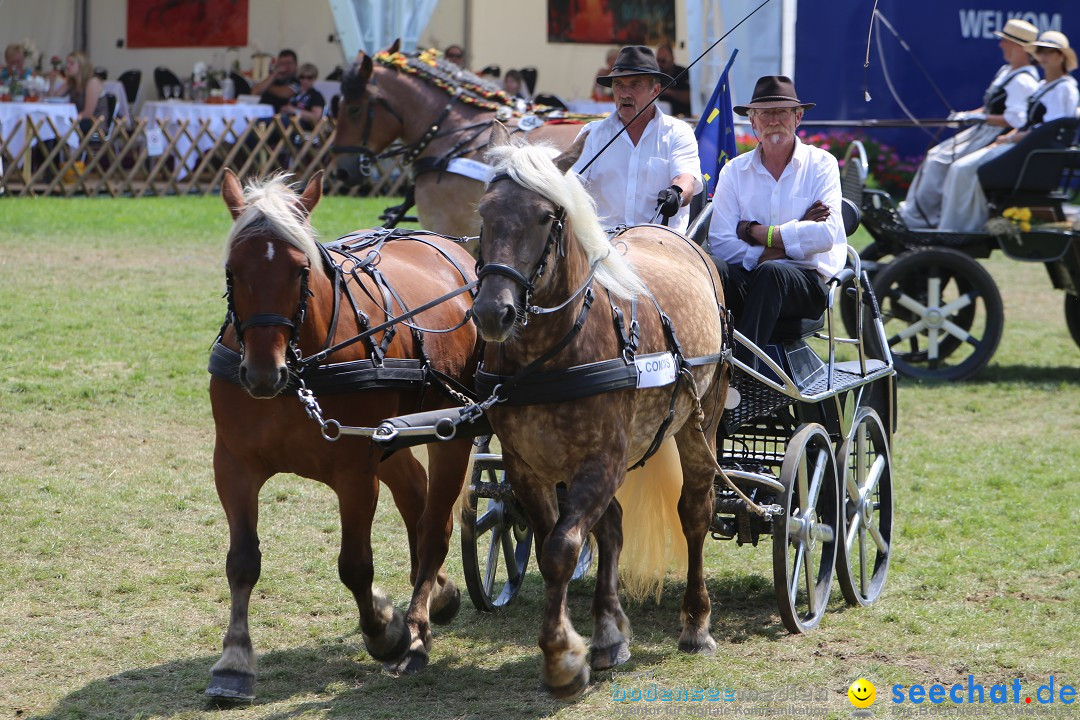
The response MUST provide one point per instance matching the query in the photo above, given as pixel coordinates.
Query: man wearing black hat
(776, 234)
(653, 163)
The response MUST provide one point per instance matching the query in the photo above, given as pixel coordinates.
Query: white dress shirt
(1060, 98)
(745, 190)
(625, 180)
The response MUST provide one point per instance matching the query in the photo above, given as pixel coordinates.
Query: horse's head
(366, 122)
(523, 215)
(268, 259)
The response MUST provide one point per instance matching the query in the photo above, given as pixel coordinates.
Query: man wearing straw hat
(777, 234)
(1004, 108)
(654, 162)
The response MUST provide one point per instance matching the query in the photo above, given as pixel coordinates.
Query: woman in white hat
(964, 207)
(1004, 108)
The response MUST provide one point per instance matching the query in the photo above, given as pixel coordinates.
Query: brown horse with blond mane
(288, 301)
(545, 261)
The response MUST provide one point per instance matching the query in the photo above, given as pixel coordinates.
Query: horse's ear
(232, 193)
(366, 68)
(312, 193)
(499, 135)
(396, 47)
(571, 155)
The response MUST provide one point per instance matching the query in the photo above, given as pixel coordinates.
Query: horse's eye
(545, 218)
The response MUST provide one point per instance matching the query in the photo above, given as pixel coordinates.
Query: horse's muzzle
(495, 314)
(263, 383)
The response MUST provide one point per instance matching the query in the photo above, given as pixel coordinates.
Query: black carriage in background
(942, 311)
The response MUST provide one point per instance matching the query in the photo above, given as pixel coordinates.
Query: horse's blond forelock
(272, 207)
(531, 166)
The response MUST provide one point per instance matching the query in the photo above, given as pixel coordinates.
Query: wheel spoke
(801, 487)
(879, 539)
(959, 304)
(909, 303)
(820, 464)
(492, 562)
(862, 559)
(960, 333)
(809, 572)
(800, 553)
(509, 556)
(489, 519)
(873, 477)
(853, 531)
(909, 332)
(933, 291)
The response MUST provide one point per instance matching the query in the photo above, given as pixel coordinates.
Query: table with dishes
(24, 124)
(184, 121)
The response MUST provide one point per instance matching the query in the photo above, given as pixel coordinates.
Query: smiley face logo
(862, 693)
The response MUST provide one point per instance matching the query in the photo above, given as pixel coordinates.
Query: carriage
(942, 311)
(802, 454)
(810, 438)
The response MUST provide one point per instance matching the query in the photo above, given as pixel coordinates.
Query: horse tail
(653, 539)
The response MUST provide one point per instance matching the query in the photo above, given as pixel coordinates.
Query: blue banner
(715, 130)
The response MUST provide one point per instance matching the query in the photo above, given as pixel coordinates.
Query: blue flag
(716, 131)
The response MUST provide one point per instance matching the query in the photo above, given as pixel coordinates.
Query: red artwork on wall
(187, 23)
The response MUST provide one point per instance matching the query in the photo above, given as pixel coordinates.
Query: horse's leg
(447, 462)
(233, 676)
(383, 628)
(565, 673)
(697, 455)
(407, 480)
(611, 633)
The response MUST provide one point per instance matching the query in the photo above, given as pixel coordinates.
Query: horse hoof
(231, 685)
(413, 662)
(609, 657)
(573, 689)
(706, 647)
(448, 611)
(385, 651)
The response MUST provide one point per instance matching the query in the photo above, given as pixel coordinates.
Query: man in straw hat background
(654, 161)
(964, 207)
(1004, 107)
(777, 234)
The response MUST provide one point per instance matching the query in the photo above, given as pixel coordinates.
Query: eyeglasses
(770, 112)
(307, 77)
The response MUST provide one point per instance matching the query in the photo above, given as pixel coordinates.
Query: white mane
(531, 166)
(271, 208)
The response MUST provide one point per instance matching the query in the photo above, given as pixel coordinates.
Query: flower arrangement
(888, 170)
(56, 62)
(1020, 216)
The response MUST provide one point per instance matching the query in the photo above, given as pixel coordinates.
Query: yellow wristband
(768, 238)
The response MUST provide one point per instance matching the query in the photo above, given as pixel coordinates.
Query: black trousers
(770, 292)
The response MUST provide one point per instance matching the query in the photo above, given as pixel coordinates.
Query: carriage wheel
(862, 558)
(1072, 316)
(942, 313)
(492, 524)
(804, 539)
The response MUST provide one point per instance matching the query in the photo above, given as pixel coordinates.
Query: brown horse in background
(382, 103)
(545, 259)
(288, 300)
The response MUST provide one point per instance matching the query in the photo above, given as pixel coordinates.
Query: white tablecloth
(14, 117)
(224, 122)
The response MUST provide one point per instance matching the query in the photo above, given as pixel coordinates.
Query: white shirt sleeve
(684, 155)
(803, 238)
(1017, 93)
(1061, 101)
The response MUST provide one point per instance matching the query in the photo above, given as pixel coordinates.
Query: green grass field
(113, 598)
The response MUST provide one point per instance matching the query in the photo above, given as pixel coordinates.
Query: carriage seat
(790, 329)
(1036, 169)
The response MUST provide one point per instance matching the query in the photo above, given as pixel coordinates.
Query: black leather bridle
(367, 157)
(269, 319)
